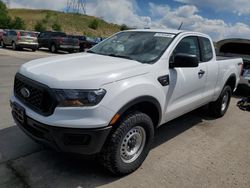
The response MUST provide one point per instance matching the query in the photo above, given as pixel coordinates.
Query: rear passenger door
(187, 85)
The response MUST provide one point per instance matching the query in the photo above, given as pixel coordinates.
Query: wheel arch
(231, 81)
(146, 104)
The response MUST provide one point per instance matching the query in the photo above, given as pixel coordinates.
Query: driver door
(187, 85)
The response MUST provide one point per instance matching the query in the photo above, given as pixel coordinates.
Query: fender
(141, 99)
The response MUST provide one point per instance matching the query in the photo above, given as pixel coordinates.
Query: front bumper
(69, 140)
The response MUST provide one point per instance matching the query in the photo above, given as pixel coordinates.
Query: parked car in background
(237, 48)
(85, 42)
(19, 39)
(55, 41)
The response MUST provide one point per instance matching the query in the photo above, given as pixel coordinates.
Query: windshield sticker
(164, 35)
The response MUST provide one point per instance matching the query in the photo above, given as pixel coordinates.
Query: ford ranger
(109, 100)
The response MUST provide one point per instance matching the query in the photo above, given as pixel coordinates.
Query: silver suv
(19, 39)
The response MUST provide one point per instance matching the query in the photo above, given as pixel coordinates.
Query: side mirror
(184, 60)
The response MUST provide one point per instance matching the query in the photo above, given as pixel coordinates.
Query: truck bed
(220, 58)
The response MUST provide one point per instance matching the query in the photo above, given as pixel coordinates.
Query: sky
(219, 18)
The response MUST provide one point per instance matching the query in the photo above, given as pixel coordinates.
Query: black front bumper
(69, 140)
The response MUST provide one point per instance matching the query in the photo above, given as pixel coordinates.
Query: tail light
(18, 36)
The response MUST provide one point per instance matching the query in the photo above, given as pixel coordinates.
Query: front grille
(40, 98)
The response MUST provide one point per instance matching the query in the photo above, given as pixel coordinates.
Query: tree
(94, 24)
(124, 27)
(5, 20)
(18, 23)
(40, 27)
(57, 27)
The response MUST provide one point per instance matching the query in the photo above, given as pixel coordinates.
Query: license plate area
(19, 112)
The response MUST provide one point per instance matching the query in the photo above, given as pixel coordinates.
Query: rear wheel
(129, 144)
(220, 106)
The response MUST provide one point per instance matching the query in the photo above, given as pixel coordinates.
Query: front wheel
(219, 107)
(2, 44)
(53, 48)
(14, 47)
(129, 144)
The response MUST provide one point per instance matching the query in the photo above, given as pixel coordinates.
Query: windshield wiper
(121, 56)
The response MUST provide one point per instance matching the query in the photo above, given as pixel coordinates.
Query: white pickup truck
(110, 100)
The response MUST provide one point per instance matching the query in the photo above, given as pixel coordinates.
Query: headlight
(78, 98)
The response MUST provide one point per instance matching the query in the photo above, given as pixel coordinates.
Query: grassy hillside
(71, 23)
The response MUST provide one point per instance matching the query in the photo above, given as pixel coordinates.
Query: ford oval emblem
(25, 92)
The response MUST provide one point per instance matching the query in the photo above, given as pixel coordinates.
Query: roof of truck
(172, 31)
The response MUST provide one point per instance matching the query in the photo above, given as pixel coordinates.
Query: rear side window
(59, 34)
(206, 49)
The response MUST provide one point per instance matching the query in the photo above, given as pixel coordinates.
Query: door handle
(201, 72)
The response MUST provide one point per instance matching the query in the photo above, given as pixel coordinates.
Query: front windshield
(145, 47)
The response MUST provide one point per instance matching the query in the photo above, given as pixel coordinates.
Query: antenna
(76, 6)
(180, 26)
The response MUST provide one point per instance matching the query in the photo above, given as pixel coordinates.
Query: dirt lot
(192, 151)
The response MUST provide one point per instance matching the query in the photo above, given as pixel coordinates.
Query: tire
(2, 44)
(53, 48)
(135, 130)
(82, 49)
(218, 108)
(33, 49)
(14, 47)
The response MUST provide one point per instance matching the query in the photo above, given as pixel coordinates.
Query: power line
(76, 6)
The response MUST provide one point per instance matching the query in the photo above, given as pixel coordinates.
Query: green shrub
(40, 27)
(18, 23)
(5, 20)
(124, 27)
(94, 24)
(57, 27)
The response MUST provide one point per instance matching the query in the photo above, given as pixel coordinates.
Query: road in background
(191, 151)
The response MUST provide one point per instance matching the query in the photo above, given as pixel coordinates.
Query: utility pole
(76, 6)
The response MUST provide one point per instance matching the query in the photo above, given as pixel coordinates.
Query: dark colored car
(19, 39)
(85, 42)
(55, 41)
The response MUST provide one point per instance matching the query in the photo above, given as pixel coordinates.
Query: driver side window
(188, 45)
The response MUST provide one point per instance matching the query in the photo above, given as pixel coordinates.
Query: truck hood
(82, 71)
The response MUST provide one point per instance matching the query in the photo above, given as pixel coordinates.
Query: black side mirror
(184, 60)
